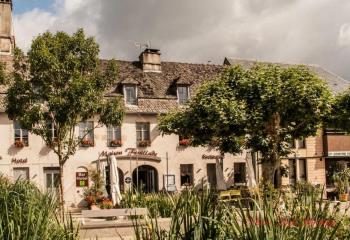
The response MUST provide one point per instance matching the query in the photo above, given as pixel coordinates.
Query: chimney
(150, 60)
(6, 37)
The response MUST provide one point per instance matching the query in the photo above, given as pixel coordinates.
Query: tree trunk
(268, 172)
(61, 192)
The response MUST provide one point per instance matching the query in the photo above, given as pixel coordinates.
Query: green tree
(340, 114)
(59, 84)
(262, 108)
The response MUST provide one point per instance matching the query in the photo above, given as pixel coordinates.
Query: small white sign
(339, 154)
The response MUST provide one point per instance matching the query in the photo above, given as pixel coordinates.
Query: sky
(201, 31)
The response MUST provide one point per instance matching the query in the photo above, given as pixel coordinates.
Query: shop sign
(136, 152)
(128, 180)
(82, 179)
(216, 157)
(107, 154)
(339, 154)
(19, 160)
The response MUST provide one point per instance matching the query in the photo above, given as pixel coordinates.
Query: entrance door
(145, 179)
(211, 174)
(52, 179)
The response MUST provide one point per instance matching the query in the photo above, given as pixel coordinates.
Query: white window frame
(18, 127)
(145, 127)
(84, 129)
(125, 96)
(112, 133)
(178, 94)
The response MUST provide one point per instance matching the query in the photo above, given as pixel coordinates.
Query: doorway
(211, 175)
(145, 179)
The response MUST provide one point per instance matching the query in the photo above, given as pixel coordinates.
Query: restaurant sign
(82, 179)
(216, 157)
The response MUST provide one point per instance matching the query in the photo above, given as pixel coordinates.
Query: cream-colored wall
(39, 156)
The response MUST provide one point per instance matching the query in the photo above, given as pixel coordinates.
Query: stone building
(145, 158)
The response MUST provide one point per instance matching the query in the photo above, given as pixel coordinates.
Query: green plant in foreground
(26, 213)
(275, 215)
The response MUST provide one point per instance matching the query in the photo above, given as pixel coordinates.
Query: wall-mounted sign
(82, 179)
(19, 160)
(205, 156)
(339, 154)
(135, 151)
(169, 183)
(107, 154)
(128, 180)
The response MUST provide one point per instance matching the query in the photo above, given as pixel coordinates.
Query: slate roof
(157, 91)
(336, 83)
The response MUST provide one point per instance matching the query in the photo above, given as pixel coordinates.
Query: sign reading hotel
(82, 179)
(339, 154)
(19, 160)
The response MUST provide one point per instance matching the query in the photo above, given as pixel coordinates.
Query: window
(143, 134)
(302, 170)
(130, 94)
(21, 173)
(52, 178)
(21, 135)
(239, 170)
(186, 173)
(292, 171)
(301, 143)
(211, 174)
(114, 136)
(182, 94)
(86, 133)
(52, 133)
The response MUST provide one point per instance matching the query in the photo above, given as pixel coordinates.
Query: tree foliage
(262, 108)
(59, 84)
(340, 115)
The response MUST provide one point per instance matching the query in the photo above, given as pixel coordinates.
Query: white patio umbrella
(220, 182)
(114, 178)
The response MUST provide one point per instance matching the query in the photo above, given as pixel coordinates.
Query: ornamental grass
(27, 213)
(270, 214)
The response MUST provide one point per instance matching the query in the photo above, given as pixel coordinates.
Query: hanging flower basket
(87, 143)
(144, 143)
(184, 142)
(115, 143)
(19, 144)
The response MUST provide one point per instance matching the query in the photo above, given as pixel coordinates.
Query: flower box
(87, 143)
(115, 143)
(184, 142)
(19, 144)
(144, 143)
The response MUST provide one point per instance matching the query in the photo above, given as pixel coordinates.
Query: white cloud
(304, 31)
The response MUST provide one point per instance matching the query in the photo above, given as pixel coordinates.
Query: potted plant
(19, 144)
(87, 143)
(341, 182)
(115, 143)
(144, 143)
(184, 142)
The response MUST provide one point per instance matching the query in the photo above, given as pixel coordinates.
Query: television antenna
(142, 45)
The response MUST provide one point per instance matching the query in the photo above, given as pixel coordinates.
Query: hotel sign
(339, 154)
(132, 153)
(19, 160)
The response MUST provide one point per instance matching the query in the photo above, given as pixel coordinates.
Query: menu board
(82, 179)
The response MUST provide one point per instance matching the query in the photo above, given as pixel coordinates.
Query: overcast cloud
(299, 31)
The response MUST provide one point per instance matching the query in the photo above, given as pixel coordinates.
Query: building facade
(145, 158)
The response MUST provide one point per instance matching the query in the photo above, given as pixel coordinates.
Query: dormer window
(130, 94)
(183, 94)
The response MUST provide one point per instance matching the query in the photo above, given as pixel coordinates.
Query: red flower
(115, 143)
(19, 144)
(184, 142)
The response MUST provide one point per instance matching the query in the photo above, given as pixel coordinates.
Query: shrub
(27, 213)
